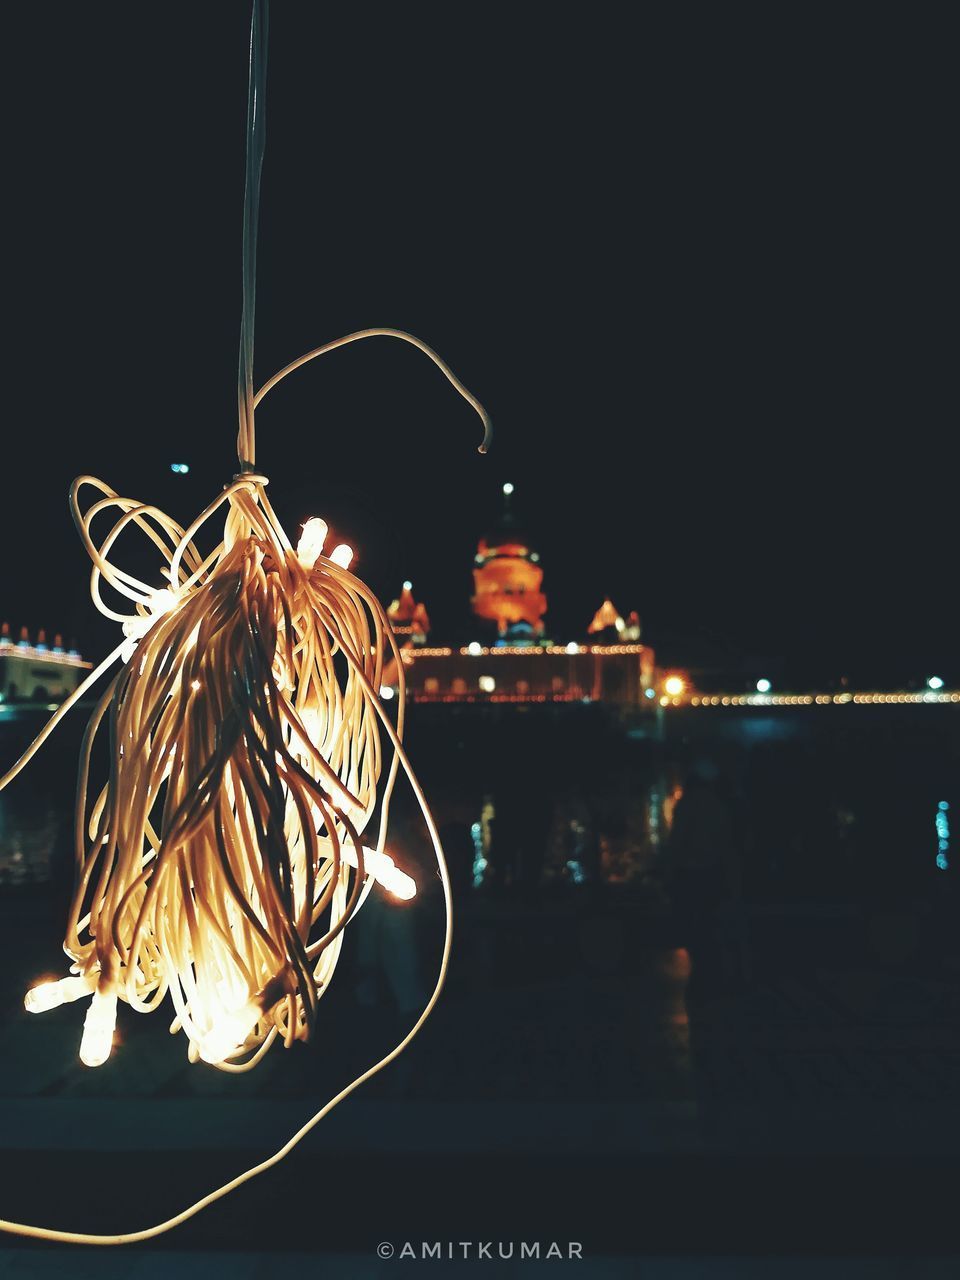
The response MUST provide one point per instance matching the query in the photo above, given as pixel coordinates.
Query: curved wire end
(387, 333)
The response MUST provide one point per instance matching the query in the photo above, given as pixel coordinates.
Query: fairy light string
(244, 814)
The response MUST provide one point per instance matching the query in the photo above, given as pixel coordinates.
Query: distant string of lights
(813, 699)
(477, 650)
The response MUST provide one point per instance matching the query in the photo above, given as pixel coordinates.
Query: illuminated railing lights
(845, 698)
(30, 653)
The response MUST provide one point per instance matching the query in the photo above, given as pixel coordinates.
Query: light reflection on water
(27, 842)
(818, 808)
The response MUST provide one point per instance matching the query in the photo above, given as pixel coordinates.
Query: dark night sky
(702, 272)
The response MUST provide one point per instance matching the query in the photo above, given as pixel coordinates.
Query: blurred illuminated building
(507, 581)
(608, 625)
(409, 619)
(33, 671)
(519, 664)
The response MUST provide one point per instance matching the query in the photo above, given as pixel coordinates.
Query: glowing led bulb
(312, 537)
(386, 693)
(674, 686)
(935, 682)
(508, 489)
(383, 869)
(474, 649)
(162, 601)
(408, 585)
(399, 884)
(98, 1028)
(342, 555)
(48, 995)
(763, 686)
(229, 1033)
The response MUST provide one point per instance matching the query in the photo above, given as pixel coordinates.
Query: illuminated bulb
(763, 686)
(474, 649)
(508, 489)
(674, 686)
(383, 869)
(98, 1028)
(312, 537)
(48, 995)
(408, 585)
(193, 896)
(386, 693)
(573, 647)
(229, 1034)
(194, 685)
(934, 683)
(400, 885)
(162, 601)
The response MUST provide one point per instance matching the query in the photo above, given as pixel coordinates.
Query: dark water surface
(600, 1037)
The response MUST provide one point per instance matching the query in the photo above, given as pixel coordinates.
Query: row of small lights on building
(674, 687)
(810, 699)
(475, 650)
(41, 651)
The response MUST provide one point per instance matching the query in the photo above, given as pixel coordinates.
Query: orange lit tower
(507, 581)
(408, 618)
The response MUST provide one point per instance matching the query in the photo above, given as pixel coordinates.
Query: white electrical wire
(221, 859)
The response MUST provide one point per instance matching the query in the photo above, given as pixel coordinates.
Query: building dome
(507, 579)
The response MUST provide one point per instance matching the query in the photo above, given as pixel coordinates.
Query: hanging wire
(283, 823)
(256, 136)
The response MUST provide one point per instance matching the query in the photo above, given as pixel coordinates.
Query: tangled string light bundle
(245, 812)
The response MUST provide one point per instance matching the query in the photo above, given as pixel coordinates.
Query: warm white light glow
(98, 1028)
(474, 649)
(674, 686)
(229, 1033)
(49, 995)
(214, 871)
(383, 869)
(572, 647)
(312, 537)
(313, 652)
(487, 684)
(400, 885)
